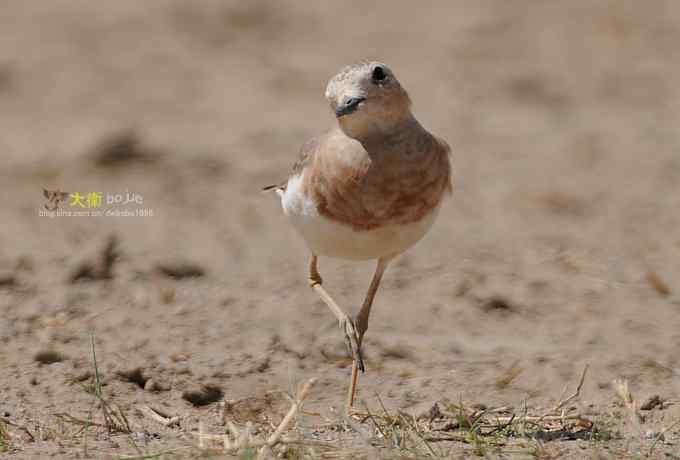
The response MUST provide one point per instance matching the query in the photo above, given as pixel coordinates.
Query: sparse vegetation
(447, 428)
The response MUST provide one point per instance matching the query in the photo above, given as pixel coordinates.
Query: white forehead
(353, 75)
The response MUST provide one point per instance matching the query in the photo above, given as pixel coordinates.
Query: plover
(370, 188)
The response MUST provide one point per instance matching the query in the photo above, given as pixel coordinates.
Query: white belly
(329, 238)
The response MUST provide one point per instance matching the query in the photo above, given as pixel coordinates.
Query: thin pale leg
(362, 322)
(346, 323)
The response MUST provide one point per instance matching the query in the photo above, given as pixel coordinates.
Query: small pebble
(134, 375)
(204, 395)
(48, 357)
(155, 386)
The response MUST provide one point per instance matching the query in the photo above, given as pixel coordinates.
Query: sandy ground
(559, 247)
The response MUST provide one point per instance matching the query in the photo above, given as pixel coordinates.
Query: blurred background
(559, 246)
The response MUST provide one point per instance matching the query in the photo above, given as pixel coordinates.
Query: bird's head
(367, 98)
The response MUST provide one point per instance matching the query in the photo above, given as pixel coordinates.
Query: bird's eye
(378, 74)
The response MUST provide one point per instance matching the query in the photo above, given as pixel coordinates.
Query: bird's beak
(348, 106)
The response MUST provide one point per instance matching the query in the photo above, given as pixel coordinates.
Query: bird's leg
(362, 322)
(346, 323)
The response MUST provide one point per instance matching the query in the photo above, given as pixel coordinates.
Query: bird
(367, 189)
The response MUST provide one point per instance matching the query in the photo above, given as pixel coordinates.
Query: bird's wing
(307, 152)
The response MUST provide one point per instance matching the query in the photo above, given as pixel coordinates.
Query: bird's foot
(352, 341)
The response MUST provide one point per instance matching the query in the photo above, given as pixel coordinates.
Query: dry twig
(240, 439)
(20, 427)
(276, 436)
(623, 392)
(156, 416)
(563, 402)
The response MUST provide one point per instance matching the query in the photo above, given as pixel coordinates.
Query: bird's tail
(278, 188)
